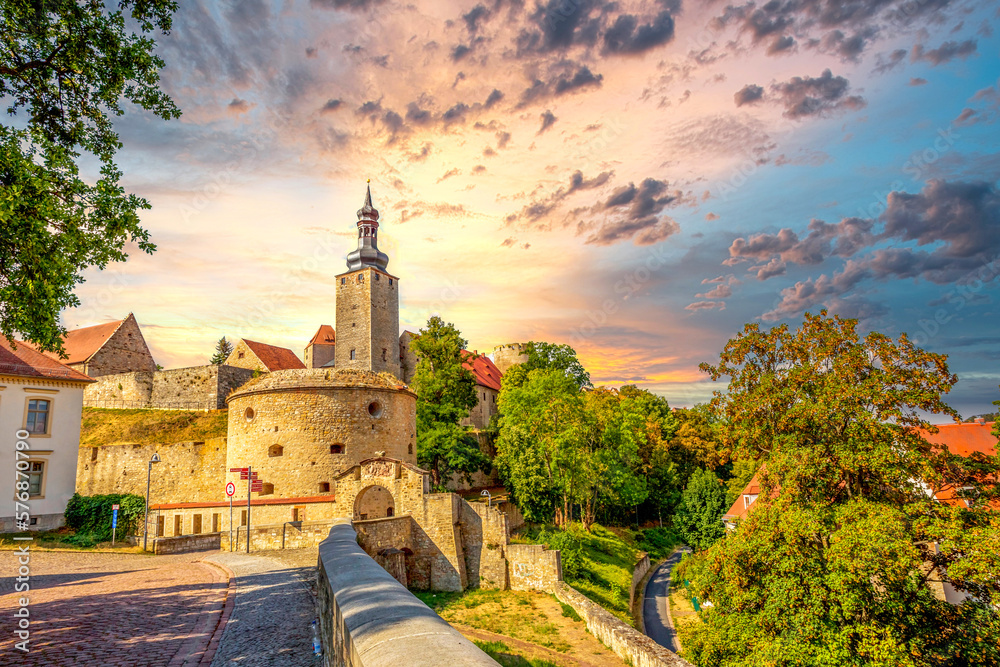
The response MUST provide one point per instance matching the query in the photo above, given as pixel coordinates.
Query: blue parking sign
(114, 518)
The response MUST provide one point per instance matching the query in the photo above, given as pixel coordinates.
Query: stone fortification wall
(484, 538)
(124, 351)
(533, 567)
(484, 409)
(289, 535)
(407, 357)
(437, 541)
(187, 472)
(368, 619)
(631, 645)
(300, 429)
(195, 388)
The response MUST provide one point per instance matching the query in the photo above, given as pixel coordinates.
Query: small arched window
(375, 409)
(248, 414)
(275, 450)
(336, 449)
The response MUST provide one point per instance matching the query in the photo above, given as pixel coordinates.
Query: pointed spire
(368, 213)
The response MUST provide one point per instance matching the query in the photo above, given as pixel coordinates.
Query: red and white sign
(237, 470)
(230, 489)
(114, 507)
(257, 486)
(244, 475)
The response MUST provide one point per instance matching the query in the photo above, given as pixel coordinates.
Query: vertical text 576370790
(22, 516)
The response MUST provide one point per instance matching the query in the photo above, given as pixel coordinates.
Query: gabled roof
(486, 372)
(25, 361)
(273, 357)
(741, 507)
(325, 335)
(81, 344)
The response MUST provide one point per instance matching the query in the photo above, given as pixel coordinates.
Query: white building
(40, 403)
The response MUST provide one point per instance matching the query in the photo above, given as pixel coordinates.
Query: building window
(336, 449)
(299, 513)
(324, 487)
(376, 276)
(243, 518)
(409, 448)
(361, 277)
(375, 409)
(275, 450)
(178, 524)
(240, 354)
(215, 522)
(36, 477)
(160, 525)
(385, 353)
(196, 524)
(352, 355)
(266, 489)
(38, 416)
(93, 453)
(390, 281)
(248, 414)
(343, 281)
(388, 511)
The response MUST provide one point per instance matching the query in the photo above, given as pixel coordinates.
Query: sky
(638, 179)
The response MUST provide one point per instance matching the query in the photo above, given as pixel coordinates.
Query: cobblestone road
(275, 607)
(112, 609)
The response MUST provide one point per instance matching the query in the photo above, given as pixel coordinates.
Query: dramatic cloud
(331, 105)
(824, 240)
(944, 53)
(748, 94)
(812, 96)
(548, 120)
(627, 36)
(633, 212)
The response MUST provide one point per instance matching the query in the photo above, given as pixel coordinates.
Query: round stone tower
(505, 356)
(300, 428)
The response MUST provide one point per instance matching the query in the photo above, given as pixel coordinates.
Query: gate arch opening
(374, 502)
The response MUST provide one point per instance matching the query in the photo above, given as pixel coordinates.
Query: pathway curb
(227, 611)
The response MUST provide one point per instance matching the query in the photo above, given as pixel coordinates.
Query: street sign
(114, 523)
(258, 487)
(237, 470)
(251, 475)
(230, 489)
(114, 507)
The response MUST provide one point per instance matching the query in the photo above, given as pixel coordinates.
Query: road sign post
(230, 490)
(249, 474)
(114, 523)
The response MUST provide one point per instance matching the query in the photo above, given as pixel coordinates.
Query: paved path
(656, 605)
(112, 609)
(271, 623)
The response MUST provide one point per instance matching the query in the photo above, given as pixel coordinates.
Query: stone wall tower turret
(505, 356)
(368, 303)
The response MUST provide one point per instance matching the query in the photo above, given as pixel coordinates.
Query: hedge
(90, 516)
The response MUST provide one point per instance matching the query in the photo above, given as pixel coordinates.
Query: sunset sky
(637, 179)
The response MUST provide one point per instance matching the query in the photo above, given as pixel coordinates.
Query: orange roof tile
(325, 335)
(740, 508)
(486, 372)
(81, 344)
(273, 357)
(25, 361)
(963, 439)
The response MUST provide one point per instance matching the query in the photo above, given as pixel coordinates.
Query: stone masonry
(368, 321)
(194, 388)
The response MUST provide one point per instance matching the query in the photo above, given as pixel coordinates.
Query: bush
(90, 517)
(658, 542)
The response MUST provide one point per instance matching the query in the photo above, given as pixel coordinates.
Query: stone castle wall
(505, 356)
(194, 388)
(316, 355)
(125, 351)
(486, 406)
(407, 357)
(300, 429)
(187, 472)
(368, 321)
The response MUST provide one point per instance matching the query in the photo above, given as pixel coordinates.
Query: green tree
(66, 67)
(552, 356)
(838, 566)
(446, 391)
(699, 516)
(222, 351)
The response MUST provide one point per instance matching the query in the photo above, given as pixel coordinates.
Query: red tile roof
(81, 344)
(25, 361)
(325, 335)
(273, 357)
(486, 372)
(963, 439)
(740, 508)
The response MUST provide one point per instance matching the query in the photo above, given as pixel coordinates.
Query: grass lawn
(511, 613)
(105, 426)
(599, 563)
(508, 657)
(56, 540)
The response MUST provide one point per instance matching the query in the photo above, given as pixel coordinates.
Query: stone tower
(368, 303)
(505, 356)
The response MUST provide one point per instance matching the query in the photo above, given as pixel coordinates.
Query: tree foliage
(66, 68)
(699, 517)
(446, 391)
(90, 516)
(222, 351)
(839, 564)
(553, 356)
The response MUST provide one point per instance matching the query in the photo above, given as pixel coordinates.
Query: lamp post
(149, 472)
(489, 498)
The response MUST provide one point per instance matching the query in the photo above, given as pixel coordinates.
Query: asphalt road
(655, 605)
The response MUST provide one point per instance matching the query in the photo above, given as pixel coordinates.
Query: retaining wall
(290, 535)
(630, 644)
(638, 572)
(368, 619)
(187, 543)
(194, 388)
